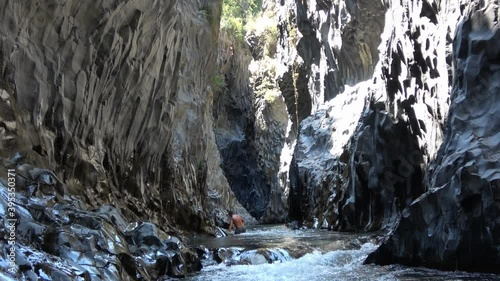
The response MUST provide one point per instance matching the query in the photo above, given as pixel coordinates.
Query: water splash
(312, 266)
(260, 255)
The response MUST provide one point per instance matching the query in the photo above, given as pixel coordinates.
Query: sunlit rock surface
(359, 161)
(455, 225)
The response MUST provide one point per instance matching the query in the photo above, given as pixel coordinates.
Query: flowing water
(278, 253)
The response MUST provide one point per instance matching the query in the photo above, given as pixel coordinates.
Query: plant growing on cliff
(217, 83)
(236, 14)
(240, 8)
(265, 29)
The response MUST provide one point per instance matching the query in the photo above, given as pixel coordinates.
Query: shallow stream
(278, 253)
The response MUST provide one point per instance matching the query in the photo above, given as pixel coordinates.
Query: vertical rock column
(113, 96)
(456, 225)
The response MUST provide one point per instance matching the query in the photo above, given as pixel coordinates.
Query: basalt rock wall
(234, 127)
(114, 98)
(361, 158)
(455, 224)
(323, 48)
(251, 118)
(413, 148)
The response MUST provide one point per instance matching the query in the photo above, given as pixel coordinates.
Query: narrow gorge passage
(357, 139)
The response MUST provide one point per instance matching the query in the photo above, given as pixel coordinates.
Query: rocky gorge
(127, 127)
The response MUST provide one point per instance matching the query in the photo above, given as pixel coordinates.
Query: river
(307, 254)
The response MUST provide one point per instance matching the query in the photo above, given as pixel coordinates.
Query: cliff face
(234, 120)
(362, 156)
(323, 48)
(455, 224)
(250, 118)
(374, 130)
(113, 97)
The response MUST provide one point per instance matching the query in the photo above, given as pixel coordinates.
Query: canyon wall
(455, 224)
(234, 125)
(114, 97)
(394, 125)
(361, 156)
(250, 117)
(132, 123)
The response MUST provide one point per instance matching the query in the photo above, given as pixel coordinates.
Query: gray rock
(455, 224)
(111, 96)
(361, 157)
(63, 242)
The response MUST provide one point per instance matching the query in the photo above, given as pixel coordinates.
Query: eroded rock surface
(359, 161)
(114, 98)
(234, 127)
(250, 120)
(58, 238)
(455, 225)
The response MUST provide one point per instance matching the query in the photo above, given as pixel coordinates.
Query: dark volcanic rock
(323, 46)
(56, 238)
(114, 97)
(235, 130)
(456, 224)
(361, 157)
(238, 256)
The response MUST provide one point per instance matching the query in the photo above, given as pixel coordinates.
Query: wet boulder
(57, 239)
(239, 256)
(159, 252)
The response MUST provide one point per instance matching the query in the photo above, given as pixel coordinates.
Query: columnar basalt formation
(132, 123)
(455, 225)
(114, 97)
(234, 126)
(370, 161)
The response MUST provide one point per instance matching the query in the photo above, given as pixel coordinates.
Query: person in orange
(238, 222)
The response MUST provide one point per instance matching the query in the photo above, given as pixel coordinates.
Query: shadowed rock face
(234, 127)
(114, 97)
(250, 119)
(455, 225)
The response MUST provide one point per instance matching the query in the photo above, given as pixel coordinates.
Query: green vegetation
(236, 14)
(263, 79)
(217, 83)
(242, 9)
(265, 29)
